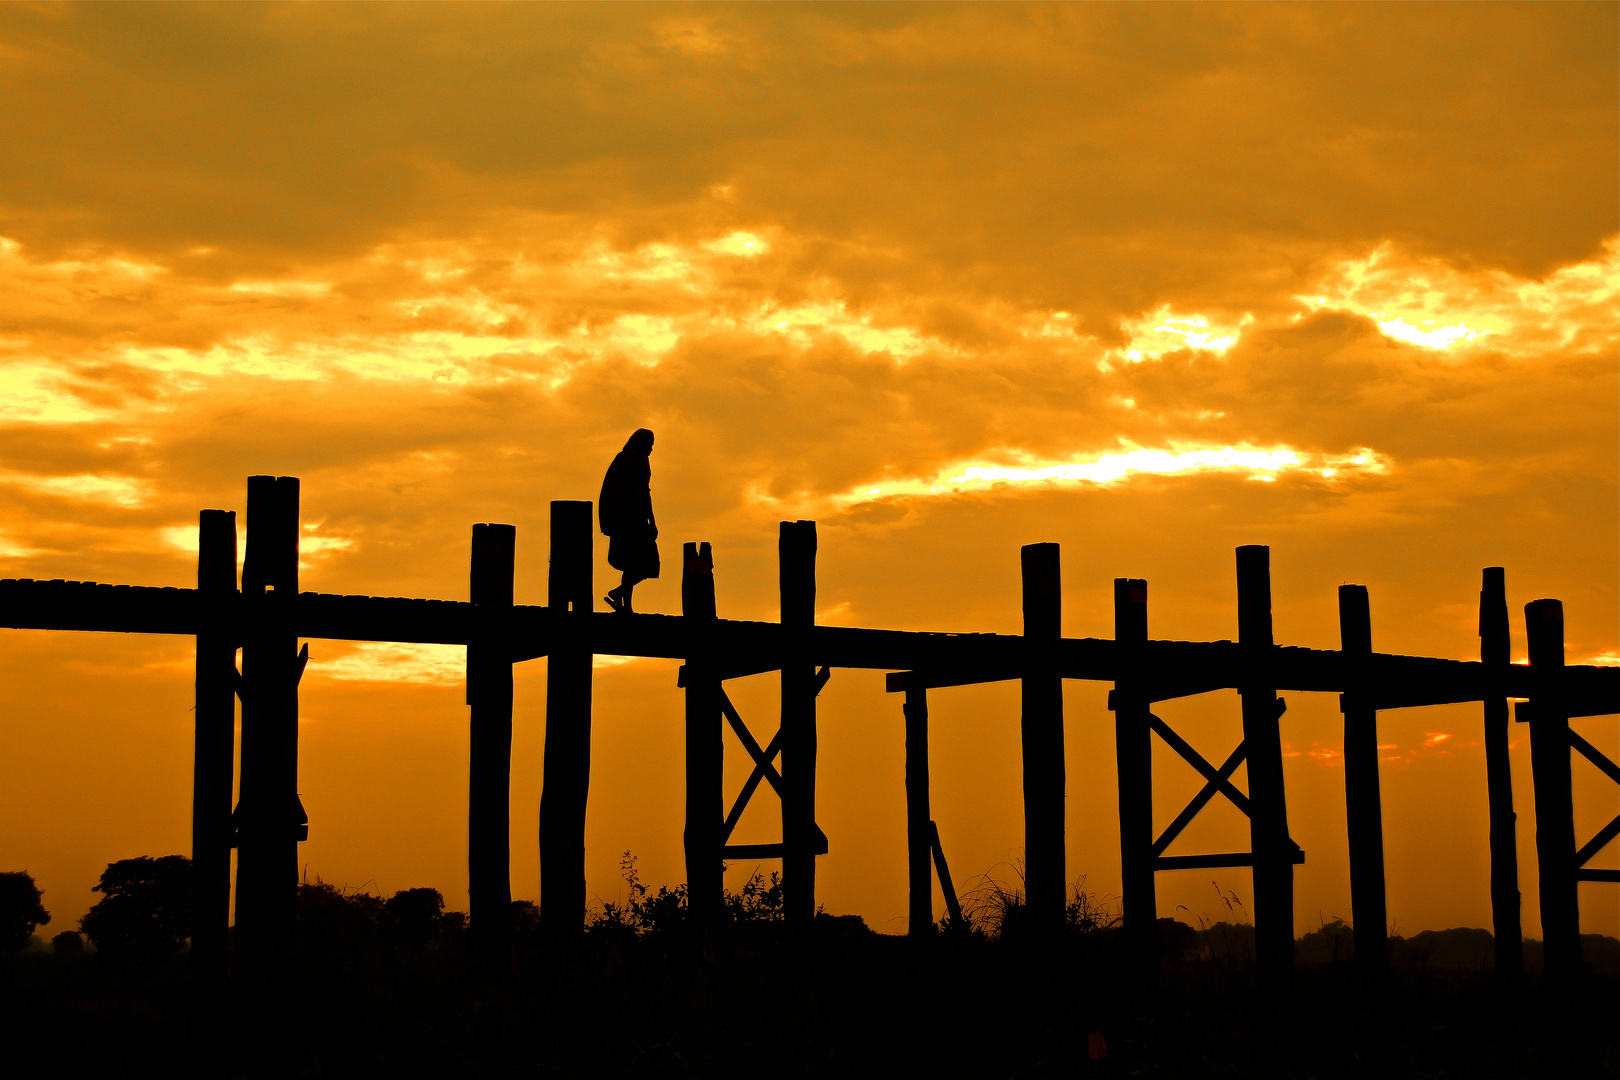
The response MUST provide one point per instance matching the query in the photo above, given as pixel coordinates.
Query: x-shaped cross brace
(764, 760)
(1215, 780)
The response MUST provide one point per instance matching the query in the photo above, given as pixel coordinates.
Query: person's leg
(626, 587)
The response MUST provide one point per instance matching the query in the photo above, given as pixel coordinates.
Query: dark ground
(852, 1004)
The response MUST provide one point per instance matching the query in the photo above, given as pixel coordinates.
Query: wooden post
(1268, 810)
(705, 749)
(1555, 808)
(1495, 651)
(796, 548)
(1363, 806)
(919, 826)
(269, 816)
(1045, 872)
(214, 760)
(489, 779)
(565, 784)
(1133, 750)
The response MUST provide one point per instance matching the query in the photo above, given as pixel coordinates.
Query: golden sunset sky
(1152, 281)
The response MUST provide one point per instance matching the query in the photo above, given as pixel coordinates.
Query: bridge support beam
(705, 748)
(1045, 867)
(1133, 751)
(1495, 651)
(567, 778)
(1555, 807)
(796, 548)
(269, 816)
(214, 761)
(919, 823)
(489, 779)
(1364, 815)
(1268, 815)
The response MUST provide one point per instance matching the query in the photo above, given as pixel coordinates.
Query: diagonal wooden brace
(1595, 756)
(763, 767)
(1196, 760)
(1598, 842)
(1207, 792)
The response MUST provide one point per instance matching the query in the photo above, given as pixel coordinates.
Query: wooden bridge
(265, 616)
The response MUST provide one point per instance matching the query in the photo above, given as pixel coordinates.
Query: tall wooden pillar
(1045, 872)
(489, 779)
(214, 760)
(796, 548)
(269, 816)
(566, 781)
(919, 824)
(1555, 807)
(1495, 652)
(705, 870)
(1363, 806)
(1268, 809)
(1133, 750)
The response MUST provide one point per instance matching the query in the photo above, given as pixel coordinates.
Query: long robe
(625, 511)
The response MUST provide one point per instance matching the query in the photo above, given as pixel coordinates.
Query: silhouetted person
(625, 509)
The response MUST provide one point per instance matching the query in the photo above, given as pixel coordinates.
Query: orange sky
(1152, 281)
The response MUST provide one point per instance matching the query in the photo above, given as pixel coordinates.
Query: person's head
(641, 442)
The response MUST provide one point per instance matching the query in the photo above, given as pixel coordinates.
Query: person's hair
(641, 441)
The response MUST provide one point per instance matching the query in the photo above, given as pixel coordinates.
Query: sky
(1149, 281)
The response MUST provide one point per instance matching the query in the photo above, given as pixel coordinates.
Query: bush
(67, 943)
(145, 909)
(20, 910)
(413, 918)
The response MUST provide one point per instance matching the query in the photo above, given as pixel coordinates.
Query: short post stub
(796, 548)
(705, 882)
(565, 785)
(1041, 728)
(1555, 809)
(1268, 809)
(214, 760)
(1133, 751)
(489, 699)
(1495, 652)
(1363, 802)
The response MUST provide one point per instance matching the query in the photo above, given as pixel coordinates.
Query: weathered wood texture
(1364, 815)
(1495, 654)
(489, 701)
(705, 747)
(1555, 807)
(1268, 808)
(214, 756)
(919, 825)
(1133, 752)
(1045, 860)
(269, 816)
(566, 785)
(796, 549)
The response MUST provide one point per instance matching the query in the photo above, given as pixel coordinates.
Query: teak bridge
(266, 616)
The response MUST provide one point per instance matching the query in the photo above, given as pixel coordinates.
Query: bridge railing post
(565, 785)
(489, 772)
(214, 761)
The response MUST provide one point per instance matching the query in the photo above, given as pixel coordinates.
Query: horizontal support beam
(1176, 667)
(768, 851)
(1612, 876)
(1213, 862)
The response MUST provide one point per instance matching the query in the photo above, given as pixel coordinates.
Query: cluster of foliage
(21, 910)
(645, 911)
(145, 909)
(997, 910)
(334, 920)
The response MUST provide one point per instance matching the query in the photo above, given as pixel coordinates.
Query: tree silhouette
(20, 910)
(146, 907)
(413, 917)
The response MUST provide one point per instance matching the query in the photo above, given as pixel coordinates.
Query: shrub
(413, 918)
(145, 909)
(67, 943)
(20, 910)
